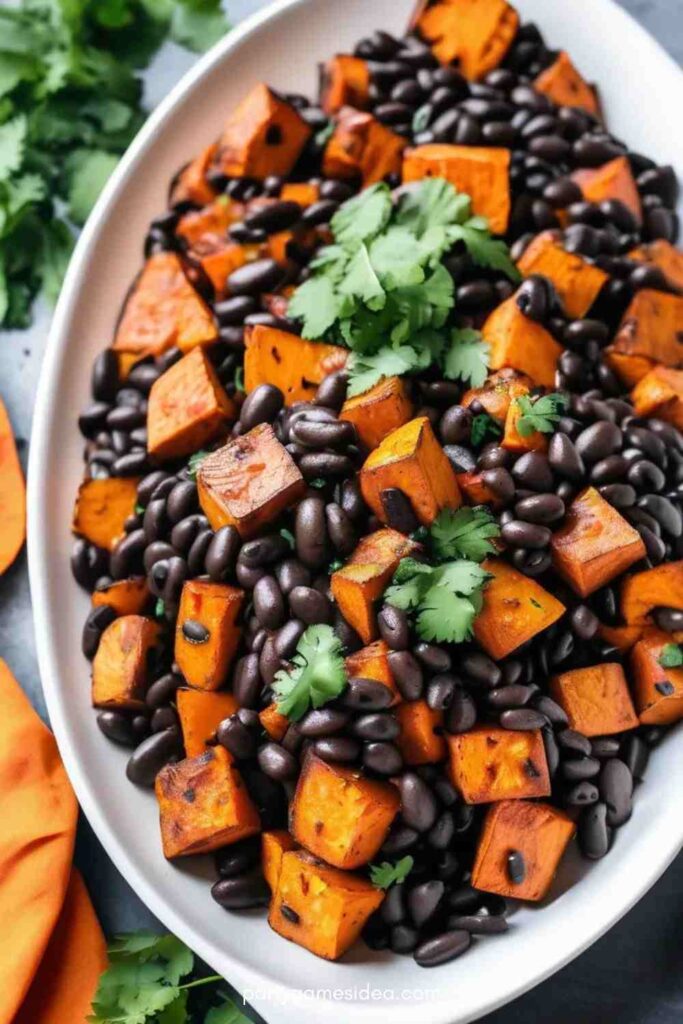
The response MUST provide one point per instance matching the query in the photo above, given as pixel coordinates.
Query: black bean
(441, 834)
(605, 746)
(636, 756)
(343, 749)
(598, 441)
(551, 709)
(152, 754)
(479, 924)
(244, 891)
(104, 379)
(442, 948)
(464, 899)
(564, 458)
(407, 674)
(440, 691)
(575, 770)
(127, 554)
(323, 722)
(423, 901)
(592, 151)
(236, 738)
(619, 495)
(398, 511)
(246, 685)
(269, 603)
(513, 696)
(262, 405)
(393, 909)
(667, 514)
(419, 808)
(367, 695)
(540, 508)
(376, 726)
(526, 535)
(668, 619)
(331, 392)
(263, 551)
(254, 278)
(287, 638)
(593, 834)
(383, 758)
(616, 789)
(221, 553)
(269, 661)
(232, 312)
(117, 727)
(311, 533)
(163, 718)
(292, 573)
(234, 860)
(309, 605)
(197, 553)
(277, 763)
(393, 627)
(455, 425)
(532, 471)
(182, 501)
(522, 718)
(95, 624)
(93, 418)
(162, 691)
(340, 529)
(462, 714)
(516, 867)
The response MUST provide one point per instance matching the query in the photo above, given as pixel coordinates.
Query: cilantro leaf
(12, 143)
(671, 656)
(317, 675)
(227, 1013)
(467, 358)
(361, 281)
(539, 414)
(361, 218)
(409, 585)
(88, 172)
(484, 250)
(464, 533)
(445, 617)
(386, 874)
(367, 370)
(316, 303)
(484, 426)
(194, 462)
(431, 203)
(197, 25)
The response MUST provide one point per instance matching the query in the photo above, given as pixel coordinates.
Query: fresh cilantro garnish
(335, 565)
(483, 249)
(467, 357)
(484, 426)
(139, 509)
(386, 874)
(144, 983)
(445, 598)
(671, 656)
(238, 379)
(464, 533)
(317, 674)
(288, 536)
(194, 462)
(421, 118)
(160, 608)
(317, 482)
(539, 414)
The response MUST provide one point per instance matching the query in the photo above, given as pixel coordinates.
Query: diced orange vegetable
(292, 364)
(126, 597)
(629, 369)
(664, 255)
(206, 229)
(187, 408)
(163, 310)
(326, 908)
(211, 609)
(652, 327)
(515, 609)
(372, 662)
(594, 544)
(483, 172)
(475, 491)
(274, 845)
(421, 740)
(305, 193)
(275, 724)
(364, 578)
(661, 587)
(203, 805)
(563, 84)
(613, 180)
(517, 342)
(411, 460)
(344, 82)
(120, 668)
(248, 482)
(474, 33)
(489, 763)
(536, 441)
(264, 135)
(377, 412)
(191, 184)
(12, 495)
(539, 832)
(660, 393)
(200, 713)
(595, 699)
(281, 245)
(501, 387)
(577, 282)
(657, 691)
(341, 815)
(362, 146)
(102, 507)
(621, 637)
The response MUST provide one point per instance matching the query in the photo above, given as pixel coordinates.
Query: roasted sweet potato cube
(305, 193)
(379, 411)
(421, 740)
(539, 832)
(629, 369)
(596, 699)
(411, 460)
(187, 409)
(521, 344)
(292, 364)
(191, 184)
(563, 84)
(652, 328)
(475, 491)
(482, 172)
(513, 441)
(594, 544)
(344, 82)
(372, 662)
(340, 815)
(661, 587)
(515, 609)
(126, 597)
(489, 764)
(621, 637)
(660, 393)
(362, 146)
(121, 666)
(665, 256)
(207, 633)
(263, 135)
(247, 483)
(613, 180)
(102, 507)
(206, 229)
(364, 578)
(577, 282)
(274, 845)
(501, 387)
(657, 691)
(474, 33)
(275, 724)
(203, 805)
(319, 907)
(163, 310)
(200, 713)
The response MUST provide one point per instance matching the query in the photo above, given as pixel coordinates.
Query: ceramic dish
(642, 90)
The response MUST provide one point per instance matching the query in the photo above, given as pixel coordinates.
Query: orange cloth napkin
(52, 950)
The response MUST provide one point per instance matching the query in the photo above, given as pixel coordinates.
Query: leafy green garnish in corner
(317, 674)
(539, 414)
(150, 980)
(671, 656)
(483, 427)
(386, 874)
(70, 103)
(382, 289)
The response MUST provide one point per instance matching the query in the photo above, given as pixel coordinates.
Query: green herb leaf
(539, 414)
(464, 533)
(386, 874)
(485, 250)
(238, 379)
(361, 218)
(445, 617)
(12, 143)
(159, 608)
(88, 172)
(288, 536)
(316, 303)
(198, 25)
(671, 656)
(228, 1013)
(194, 462)
(484, 426)
(317, 675)
(467, 358)
(367, 370)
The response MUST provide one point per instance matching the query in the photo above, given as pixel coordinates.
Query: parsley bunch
(317, 675)
(446, 593)
(70, 103)
(383, 290)
(539, 414)
(144, 985)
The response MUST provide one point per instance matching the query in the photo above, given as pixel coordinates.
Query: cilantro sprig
(539, 414)
(386, 874)
(483, 427)
(671, 656)
(464, 533)
(382, 289)
(317, 674)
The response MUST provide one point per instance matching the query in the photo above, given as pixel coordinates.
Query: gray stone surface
(635, 973)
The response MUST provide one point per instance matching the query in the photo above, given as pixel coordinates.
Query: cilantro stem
(210, 979)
